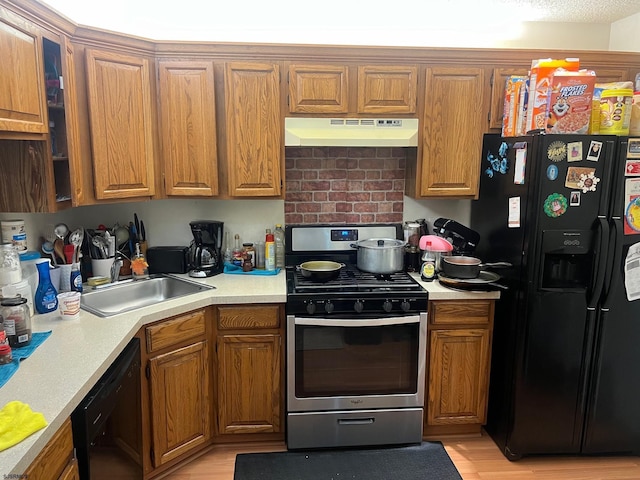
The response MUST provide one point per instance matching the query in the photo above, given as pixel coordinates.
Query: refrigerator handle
(602, 248)
(614, 278)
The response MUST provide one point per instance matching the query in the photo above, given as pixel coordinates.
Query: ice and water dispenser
(567, 259)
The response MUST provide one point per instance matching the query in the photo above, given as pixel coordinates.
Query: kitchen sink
(112, 299)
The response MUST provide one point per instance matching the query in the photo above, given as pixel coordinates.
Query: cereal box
(599, 106)
(523, 104)
(569, 102)
(511, 99)
(539, 88)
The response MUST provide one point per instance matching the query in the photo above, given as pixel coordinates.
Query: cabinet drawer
(447, 312)
(175, 330)
(248, 317)
(54, 457)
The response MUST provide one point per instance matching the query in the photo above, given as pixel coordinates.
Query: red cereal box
(569, 104)
(540, 79)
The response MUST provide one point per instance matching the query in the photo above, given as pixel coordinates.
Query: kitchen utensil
(98, 241)
(47, 249)
(483, 282)
(380, 255)
(61, 230)
(58, 249)
(136, 222)
(463, 267)
(143, 232)
(76, 238)
(320, 270)
(69, 253)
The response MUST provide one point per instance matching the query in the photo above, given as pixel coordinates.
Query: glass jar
(249, 253)
(16, 321)
(10, 270)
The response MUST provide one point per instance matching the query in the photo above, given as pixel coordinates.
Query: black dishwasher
(106, 423)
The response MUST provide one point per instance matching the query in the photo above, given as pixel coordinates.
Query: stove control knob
(405, 305)
(358, 306)
(311, 308)
(387, 306)
(328, 307)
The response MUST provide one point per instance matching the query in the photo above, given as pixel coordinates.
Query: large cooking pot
(320, 270)
(462, 267)
(380, 255)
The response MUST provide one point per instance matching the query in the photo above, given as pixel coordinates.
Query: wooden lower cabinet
(56, 461)
(250, 369)
(459, 355)
(178, 389)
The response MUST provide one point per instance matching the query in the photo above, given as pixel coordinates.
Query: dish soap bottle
(46, 296)
(139, 265)
(428, 269)
(76, 278)
(269, 251)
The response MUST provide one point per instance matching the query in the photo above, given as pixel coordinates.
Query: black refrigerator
(565, 211)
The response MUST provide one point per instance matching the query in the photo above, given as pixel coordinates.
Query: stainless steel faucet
(115, 269)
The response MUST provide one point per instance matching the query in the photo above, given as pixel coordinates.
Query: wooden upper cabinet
(22, 97)
(454, 122)
(498, 83)
(341, 89)
(254, 130)
(122, 124)
(387, 89)
(318, 89)
(188, 128)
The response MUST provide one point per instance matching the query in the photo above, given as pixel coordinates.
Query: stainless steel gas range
(356, 345)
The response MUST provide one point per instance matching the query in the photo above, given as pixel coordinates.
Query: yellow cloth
(17, 422)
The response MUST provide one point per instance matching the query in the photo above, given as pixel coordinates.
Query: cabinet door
(498, 83)
(249, 383)
(254, 130)
(458, 376)
(453, 129)
(387, 89)
(120, 111)
(22, 99)
(188, 128)
(180, 402)
(55, 457)
(318, 89)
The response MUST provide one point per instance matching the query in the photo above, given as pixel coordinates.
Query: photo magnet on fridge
(594, 151)
(575, 152)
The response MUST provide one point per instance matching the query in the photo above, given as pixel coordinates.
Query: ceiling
(223, 20)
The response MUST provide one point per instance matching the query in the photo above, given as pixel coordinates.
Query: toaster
(168, 259)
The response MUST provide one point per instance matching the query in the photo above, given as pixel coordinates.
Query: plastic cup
(102, 267)
(54, 274)
(69, 305)
(65, 278)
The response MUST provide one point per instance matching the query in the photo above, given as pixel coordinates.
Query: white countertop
(61, 371)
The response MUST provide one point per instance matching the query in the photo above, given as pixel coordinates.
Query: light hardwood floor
(475, 458)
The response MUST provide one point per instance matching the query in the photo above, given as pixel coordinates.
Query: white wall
(624, 34)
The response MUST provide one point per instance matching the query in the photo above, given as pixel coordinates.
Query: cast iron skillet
(320, 270)
(462, 267)
(485, 281)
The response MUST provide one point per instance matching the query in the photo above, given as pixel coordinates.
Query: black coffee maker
(205, 252)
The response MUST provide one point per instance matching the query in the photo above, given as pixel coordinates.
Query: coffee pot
(205, 252)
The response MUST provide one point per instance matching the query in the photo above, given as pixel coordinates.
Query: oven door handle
(341, 322)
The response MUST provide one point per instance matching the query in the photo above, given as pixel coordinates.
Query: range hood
(350, 132)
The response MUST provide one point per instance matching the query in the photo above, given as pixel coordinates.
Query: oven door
(355, 363)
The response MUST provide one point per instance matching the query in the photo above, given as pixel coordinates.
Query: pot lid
(381, 243)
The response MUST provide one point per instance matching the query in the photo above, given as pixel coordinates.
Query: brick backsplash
(344, 185)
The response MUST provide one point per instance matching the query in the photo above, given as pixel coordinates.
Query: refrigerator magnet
(519, 169)
(574, 198)
(633, 148)
(555, 205)
(594, 151)
(574, 176)
(632, 208)
(514, 212)
(552, 172)
(557, 151)
(632, 168)
(575, 152)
